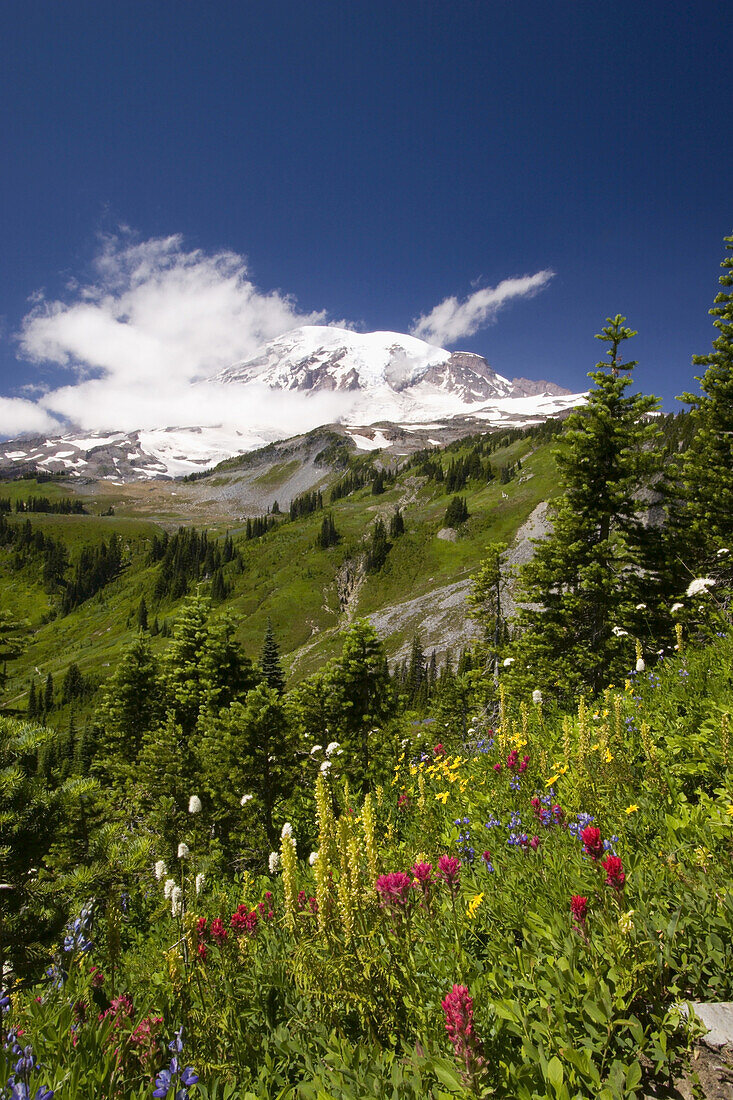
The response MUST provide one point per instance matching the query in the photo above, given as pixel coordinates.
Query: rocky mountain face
(386, 386)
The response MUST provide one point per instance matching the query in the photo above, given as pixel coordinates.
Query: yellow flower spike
(632, 809)
(442, 796)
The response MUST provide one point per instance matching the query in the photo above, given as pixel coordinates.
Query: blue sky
(355, 161)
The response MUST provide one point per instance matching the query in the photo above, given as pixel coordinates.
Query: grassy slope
(285, 577)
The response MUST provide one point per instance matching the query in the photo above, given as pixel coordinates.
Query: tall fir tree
(142, 615)
(130, 705)
(588, 575)
(48, 693)
(270, 665)
(486, 605)
(701, 512)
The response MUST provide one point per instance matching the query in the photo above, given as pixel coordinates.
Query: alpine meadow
(414, 782)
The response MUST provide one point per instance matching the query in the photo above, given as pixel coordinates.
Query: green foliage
(588, 576)
(379, 547)
(702, 509)
(456, 513)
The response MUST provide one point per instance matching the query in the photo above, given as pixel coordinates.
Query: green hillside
(281, 576)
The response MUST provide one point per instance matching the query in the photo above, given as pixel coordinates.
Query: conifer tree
(456, 513)
(485, 603)
(142, 615)
(131, 701)
(587, 576)
(270, 665)
(701, 516)
(416, 671)
(396, 524)
(48, 693)
(32, 704)
(378, 549)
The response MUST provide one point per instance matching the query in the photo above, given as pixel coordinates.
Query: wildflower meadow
(524, 910)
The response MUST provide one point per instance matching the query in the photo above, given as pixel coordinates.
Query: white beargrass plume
(315, 749)
(330, 748)
(194, 804)
(183, 851)
(508, 662)
(676, 607)
(168, 888)
(312, 858)
(160, 870)
(199, 881)
(245, 799)
(273, 862)
(176, 902)
(287, 829)
(536, 696)
(640, 666)
(325, 766)
(700, 584)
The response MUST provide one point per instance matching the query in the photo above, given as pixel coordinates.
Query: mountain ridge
(379, 380)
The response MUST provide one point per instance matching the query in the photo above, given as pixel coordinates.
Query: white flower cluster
(160, 870)
(315, 749)
(287, 830)
(176, 902)
(245, 799)
(168, 888)
(536, 696)
(199, 882)
(183, 851)
(273, 862)
(332, 748)
(700, 584)
(194, 804)
(312, 858)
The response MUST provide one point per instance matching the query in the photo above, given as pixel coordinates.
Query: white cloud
(21, 417)
(451, 320)
(156, 319)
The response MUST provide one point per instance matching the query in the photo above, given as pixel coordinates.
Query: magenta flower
(615, 875)
(579, 908)
(423, 873)
(458, 1010)
(449, 869)
(393, 889)
(592, 843)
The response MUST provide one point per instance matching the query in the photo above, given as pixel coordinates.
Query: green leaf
(449, 1078)
(555, 1073)
(633, 1075)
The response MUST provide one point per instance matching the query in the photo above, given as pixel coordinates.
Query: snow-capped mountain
(374, 378)
(318, 357)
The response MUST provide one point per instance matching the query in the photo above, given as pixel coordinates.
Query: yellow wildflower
(442, 796)
(473, 905)
(729, 811)
(553, 779)
(632, 809)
